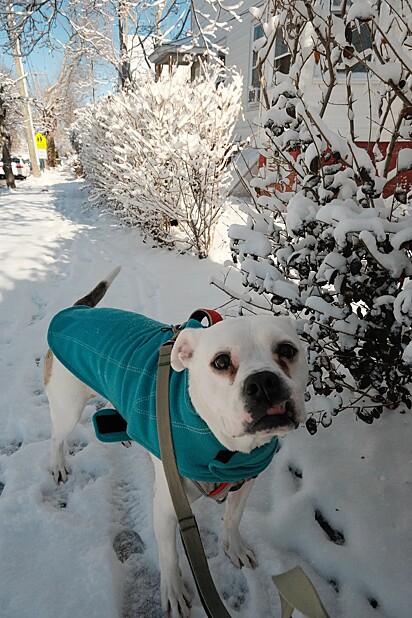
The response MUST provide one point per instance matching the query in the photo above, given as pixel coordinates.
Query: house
(240, 42)
(179, 53)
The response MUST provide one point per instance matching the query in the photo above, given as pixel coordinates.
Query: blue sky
(43, 63)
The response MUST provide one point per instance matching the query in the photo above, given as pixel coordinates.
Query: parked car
(20, 167)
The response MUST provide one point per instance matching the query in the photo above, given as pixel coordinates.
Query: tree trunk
(51, 144)
(51, 150)
(124, 68)
(8, 172)
(5, 148)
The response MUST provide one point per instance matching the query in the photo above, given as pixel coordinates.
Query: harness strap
(217, 491)
(187, 523)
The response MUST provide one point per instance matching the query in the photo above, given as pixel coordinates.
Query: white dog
(246, 382)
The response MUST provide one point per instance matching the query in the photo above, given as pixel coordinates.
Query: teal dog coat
(115, 353)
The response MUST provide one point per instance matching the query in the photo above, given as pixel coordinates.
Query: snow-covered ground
(86, 548)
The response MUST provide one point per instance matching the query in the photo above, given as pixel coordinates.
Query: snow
(388, 71)
(404, 159)
(407, 355)
(360, 10)
(257, 13)
(59, 545)
(255, 243)
(395, 262)
(402, 306)
(320, 305)
(301, 210)
(347, 217)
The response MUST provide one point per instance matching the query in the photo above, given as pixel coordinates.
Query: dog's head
(247, 378)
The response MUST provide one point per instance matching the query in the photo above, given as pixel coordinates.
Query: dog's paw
(176, 599)
(239, 552)
(57, 461)
(60, 472)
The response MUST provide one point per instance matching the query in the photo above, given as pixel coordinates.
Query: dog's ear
(184, 348)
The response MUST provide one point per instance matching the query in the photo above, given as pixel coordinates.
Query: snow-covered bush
(158, 154)
(327, 238)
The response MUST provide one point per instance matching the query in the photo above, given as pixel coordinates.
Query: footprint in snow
(41, 305)
(10, 448)
(35, 318)
(76, 447)
(236, 593)
(141, 596)
(142, 583)
(126, 544)
(210, 542)
(41, 396)
(56, 497)
(297, 475)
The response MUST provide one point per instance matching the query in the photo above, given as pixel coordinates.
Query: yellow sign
(41, 141)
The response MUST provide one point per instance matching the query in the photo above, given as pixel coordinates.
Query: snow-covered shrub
(326, 239)
(158, 154)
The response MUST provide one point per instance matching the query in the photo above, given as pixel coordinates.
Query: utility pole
(28, 120)
(22, 86)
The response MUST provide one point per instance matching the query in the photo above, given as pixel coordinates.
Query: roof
(178, 50)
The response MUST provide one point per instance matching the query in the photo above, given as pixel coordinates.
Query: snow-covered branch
(329, 235)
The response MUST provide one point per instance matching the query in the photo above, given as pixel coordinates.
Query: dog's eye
(222, 362)
(286, 350)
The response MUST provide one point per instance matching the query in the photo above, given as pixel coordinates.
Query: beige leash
(187, 522)
(295, 589)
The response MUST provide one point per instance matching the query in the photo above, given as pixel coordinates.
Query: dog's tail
(96, 295)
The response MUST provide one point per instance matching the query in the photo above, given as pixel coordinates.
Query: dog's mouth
(281, 415)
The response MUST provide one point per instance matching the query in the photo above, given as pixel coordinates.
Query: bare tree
(112, 30)
(55, 103)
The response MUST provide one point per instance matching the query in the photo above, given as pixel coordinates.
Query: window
(222, 59)
(282, 54)
(361, 41)
(254, 89)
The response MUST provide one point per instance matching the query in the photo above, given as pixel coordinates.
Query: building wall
(239, 41)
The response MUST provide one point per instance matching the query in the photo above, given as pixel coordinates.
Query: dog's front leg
(175, 597)
(235, 547)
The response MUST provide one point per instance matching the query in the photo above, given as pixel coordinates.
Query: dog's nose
(264, 388)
